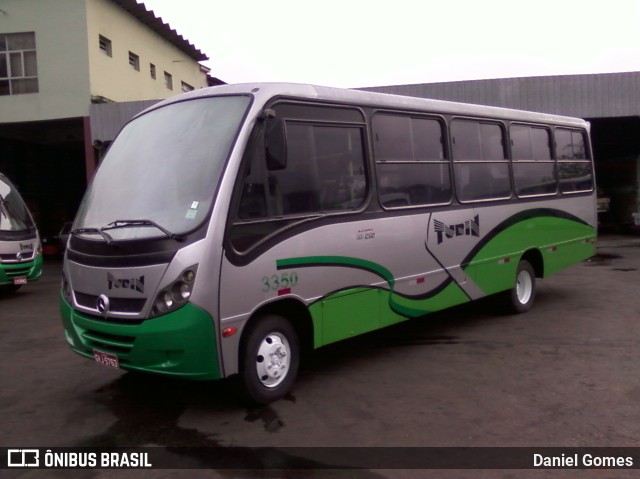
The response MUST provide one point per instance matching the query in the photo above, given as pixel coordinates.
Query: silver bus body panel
(407, 246)
(118, 285)
(18, 251)
(141, 283)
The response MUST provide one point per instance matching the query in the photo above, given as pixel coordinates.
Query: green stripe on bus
(561, 242)
(346, 261)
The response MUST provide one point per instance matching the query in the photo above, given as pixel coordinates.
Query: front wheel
(269, 359)
(520, 298)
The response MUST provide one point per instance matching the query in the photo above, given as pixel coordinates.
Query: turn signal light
(229, 332)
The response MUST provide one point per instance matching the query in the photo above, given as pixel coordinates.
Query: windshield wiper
(136, 223)
(107, 237)
(126, 224)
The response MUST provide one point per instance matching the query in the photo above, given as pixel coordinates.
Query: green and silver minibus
(230, 228)
(20, 247)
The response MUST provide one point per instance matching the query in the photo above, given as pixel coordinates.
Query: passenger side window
(410, 161)
(325, 170)
(574, 167)
(325, 173)
(480, 165)
(534, 170)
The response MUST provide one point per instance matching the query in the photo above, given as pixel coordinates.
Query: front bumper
(180, 344)
(32, 270)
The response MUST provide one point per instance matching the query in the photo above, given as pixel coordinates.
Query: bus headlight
(182, 290)
(166, 301)
(176, 295)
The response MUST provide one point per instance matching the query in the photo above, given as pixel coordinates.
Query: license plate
(106, 359)
(20, 280)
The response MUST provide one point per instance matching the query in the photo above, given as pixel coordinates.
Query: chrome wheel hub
(524, 287)
(272, 360)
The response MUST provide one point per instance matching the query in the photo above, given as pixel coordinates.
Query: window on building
(186, 87)
(18, 65)
(168, 80)
(534, 170)
(410, 161)
(134, 61)
(480, 165)
(574, 166)
(152, 70)
(105, 45)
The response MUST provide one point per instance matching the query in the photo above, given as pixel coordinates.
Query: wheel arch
(535, 259)
(272, 343)
(294, 311)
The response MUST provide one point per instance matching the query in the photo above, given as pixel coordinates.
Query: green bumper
(31, 269)
(180, 344)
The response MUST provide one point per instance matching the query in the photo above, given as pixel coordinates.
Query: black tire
(9, 289)
(521, 297)
(269, 359)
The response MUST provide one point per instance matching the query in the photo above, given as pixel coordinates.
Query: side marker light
(229, 332)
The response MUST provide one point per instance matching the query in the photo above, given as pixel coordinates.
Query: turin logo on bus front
(134, 284)
(467, 228)
(26, 247)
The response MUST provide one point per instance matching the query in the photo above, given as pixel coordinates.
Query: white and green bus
(20, 248)
(230, 228)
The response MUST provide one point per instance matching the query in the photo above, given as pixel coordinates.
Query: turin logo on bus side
(467, 228)
(135, 284)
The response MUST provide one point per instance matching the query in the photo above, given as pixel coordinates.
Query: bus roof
(265, 91)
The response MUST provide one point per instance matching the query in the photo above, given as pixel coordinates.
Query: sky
(360, 43)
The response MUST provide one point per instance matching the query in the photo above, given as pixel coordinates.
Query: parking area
(565, 374)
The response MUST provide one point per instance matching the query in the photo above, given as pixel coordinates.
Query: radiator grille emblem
(103, 304)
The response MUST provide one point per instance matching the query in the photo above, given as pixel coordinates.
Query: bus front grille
(14, 272)
(14, 258)
(117, 305)
(109, 343)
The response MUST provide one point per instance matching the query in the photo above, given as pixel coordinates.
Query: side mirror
(275, 141)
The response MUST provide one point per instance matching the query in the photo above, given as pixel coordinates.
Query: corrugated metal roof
(148, 17)
(108, 118)
(585, 96)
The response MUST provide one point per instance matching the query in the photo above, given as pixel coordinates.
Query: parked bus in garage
(229, 228)
(20, 248)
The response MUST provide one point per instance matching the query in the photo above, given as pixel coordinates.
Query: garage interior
(46, 162)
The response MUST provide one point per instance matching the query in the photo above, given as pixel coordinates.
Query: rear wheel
(521, 297)
(269, 359)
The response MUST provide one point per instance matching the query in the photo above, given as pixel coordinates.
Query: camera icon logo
(23, 458)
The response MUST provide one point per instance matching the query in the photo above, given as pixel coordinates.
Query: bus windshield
(14, 215)
(160, 174)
